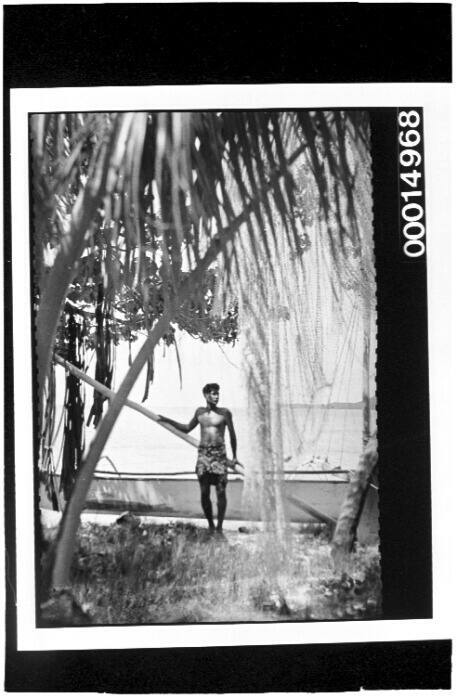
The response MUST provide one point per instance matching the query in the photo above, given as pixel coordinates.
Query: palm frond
(155, 187)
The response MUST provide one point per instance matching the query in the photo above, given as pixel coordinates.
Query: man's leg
(221, 502)
(206, 500)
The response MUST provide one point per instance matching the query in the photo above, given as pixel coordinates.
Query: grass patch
(143, 574)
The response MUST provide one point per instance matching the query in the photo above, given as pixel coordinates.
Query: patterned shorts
(212, 460)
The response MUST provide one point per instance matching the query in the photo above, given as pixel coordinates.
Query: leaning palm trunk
(345, 531)
(64, 269)
(70, 522)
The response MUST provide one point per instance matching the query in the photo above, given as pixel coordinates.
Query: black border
(242, 669)
(402, 393)
(90, 45)
(198, 43)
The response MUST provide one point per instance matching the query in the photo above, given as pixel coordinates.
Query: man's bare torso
(212, 425)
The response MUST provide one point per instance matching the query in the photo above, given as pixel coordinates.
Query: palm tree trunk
(351, 510)
(346, 527)
(70, 521)
(64, 269)
(366, 407)
(63, 551)
(63, 272)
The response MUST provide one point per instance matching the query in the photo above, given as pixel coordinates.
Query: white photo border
(435, 100)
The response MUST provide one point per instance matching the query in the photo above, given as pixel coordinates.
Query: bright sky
(135, 444)
(206, 363)
(201, 363)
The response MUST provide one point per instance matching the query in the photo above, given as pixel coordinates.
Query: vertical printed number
(409, 118)
(410, 160)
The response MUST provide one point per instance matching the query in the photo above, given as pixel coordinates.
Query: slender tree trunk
(72, 245)
(346, 527)
(63, 272)
(366, 407)
(70, 521)
(351, 510)
(64, 547)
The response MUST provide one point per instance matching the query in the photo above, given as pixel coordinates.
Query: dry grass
(140, 574)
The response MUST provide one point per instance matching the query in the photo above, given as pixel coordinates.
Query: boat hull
(180, 497)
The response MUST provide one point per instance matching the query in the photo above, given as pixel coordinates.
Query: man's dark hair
(209, 387)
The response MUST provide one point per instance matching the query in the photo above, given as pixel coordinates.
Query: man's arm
(186, 428)
(232, 434)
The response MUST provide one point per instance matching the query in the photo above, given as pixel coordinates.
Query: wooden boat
(310, 497)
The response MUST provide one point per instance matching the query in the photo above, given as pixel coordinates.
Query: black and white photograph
(227, 348)
(212, 273)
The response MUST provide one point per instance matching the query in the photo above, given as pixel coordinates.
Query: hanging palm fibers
(149, 377)
(299, 316)
(104, 352)
(47, 439)
(150, 361)
(73, 445)
(48, 421)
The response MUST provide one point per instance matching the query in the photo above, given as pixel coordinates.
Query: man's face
(212, 397)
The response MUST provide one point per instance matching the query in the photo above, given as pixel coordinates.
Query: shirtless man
(212, 462)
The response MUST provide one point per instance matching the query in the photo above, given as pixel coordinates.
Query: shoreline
(50, 519)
